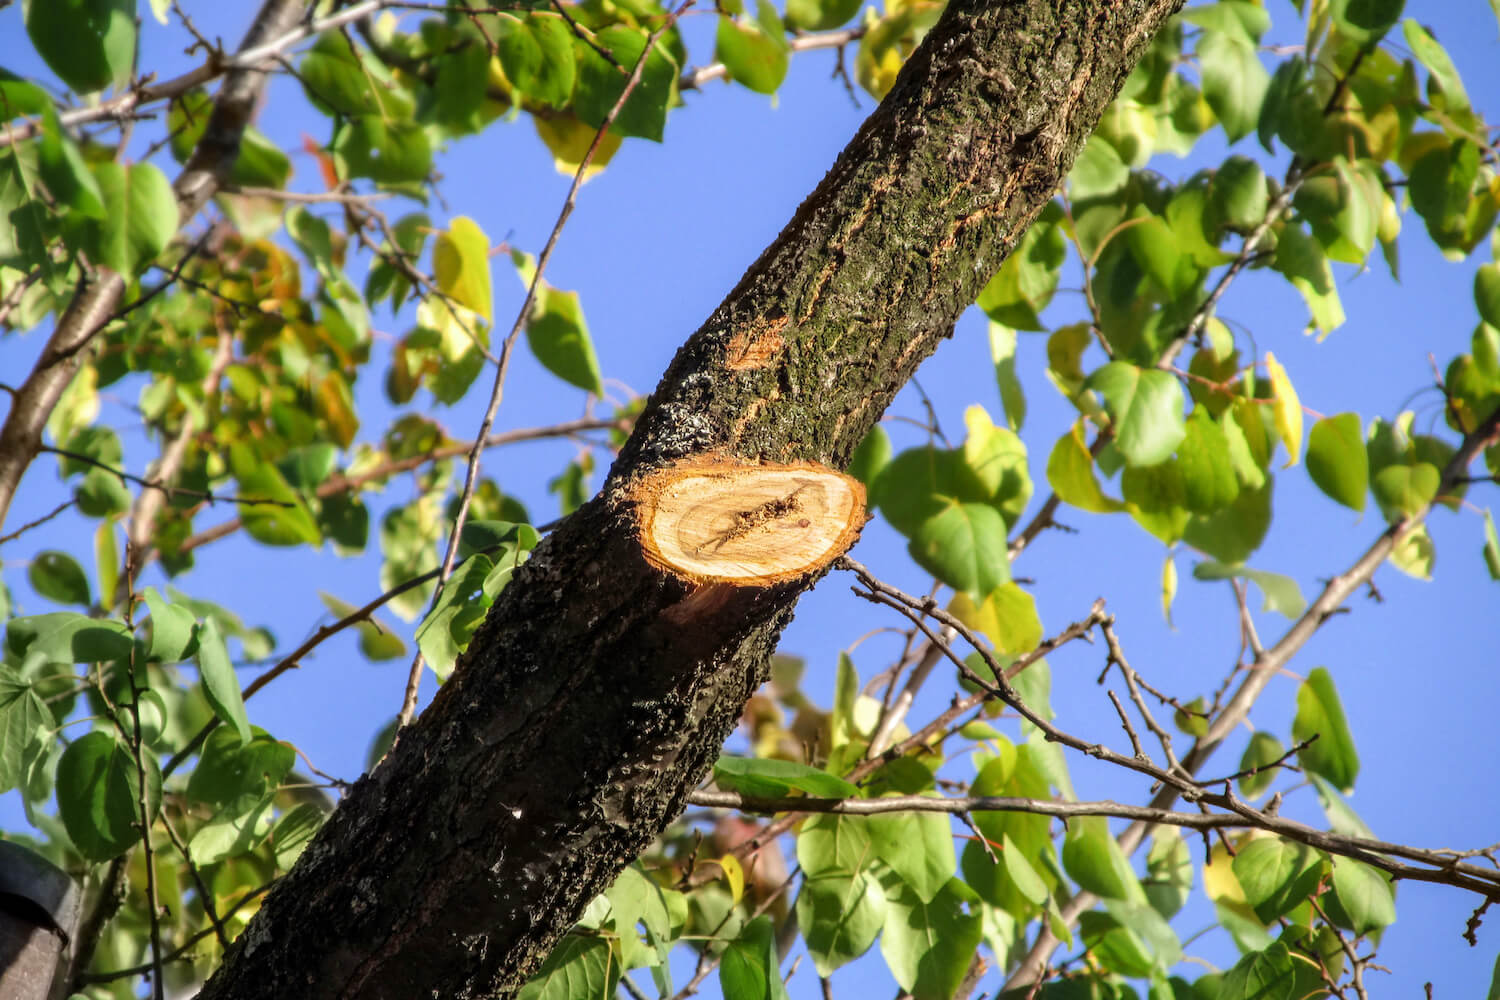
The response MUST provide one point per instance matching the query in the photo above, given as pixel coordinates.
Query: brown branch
(339, 483)
(1441, 869)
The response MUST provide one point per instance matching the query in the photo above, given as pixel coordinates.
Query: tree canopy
(215, 340)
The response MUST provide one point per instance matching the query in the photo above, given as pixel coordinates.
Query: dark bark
(594, 697)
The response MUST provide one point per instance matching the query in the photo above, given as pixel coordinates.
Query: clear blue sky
(663, 234)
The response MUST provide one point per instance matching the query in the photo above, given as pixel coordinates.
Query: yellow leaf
(1007, 615)
(461, 265)
(734, 874)
(1286, 409)
(569, 140)
(1168, 587)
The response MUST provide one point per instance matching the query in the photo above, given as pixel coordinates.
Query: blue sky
(658, 239)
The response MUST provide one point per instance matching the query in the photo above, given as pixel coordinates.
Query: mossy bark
(597, 692)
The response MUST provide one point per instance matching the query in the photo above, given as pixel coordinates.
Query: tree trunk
(599, 689)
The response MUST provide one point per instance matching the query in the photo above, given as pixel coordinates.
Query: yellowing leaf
(734, 874)
(1007, 615)
(461, 265)
(569, 140)
(1286, 409)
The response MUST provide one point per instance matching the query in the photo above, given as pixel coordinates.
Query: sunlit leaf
(1321, 714)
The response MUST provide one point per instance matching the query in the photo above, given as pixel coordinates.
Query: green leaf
(1320, 713)
(1026, 282)
(1281, 592)
(1365, 21)
(376, 640)
(1208, 479)
(1301, 260)
(233, 831)
(754, 52)
(140, 217)
(768, 778)
(386, 150)
(1366, 895)
(1487, 293)
(220, 686)
(834, 845)
(964, 546)
(98, 795)
(537, 55)
(840, 916)
(1491, 549)
(1003, 353)
(89, 44)
(820, 15)
(600, 84)
(1007, 615)
(748, 969)
(557, 333)
(918, 847)
(58, 577)
(294, 831)
(1406, 489)
(461, 266)
(68, 637)
(1022, 875)
(1118, 948)
(1169, 872)
(1260, 975)
(171, 628)
(1232, 534)
(101, 494)
(872, 455)
(993, 470)
(445, 631)
(1337, 461)
(25, 721)
(581, 967)
(19, 96)
(1070, 473)
(1261, 752)
(1147, 409)
(271, 510)
(231, 771)
(928, 945)
(64, 171)
(1093, 859)
(1234, 81)
(1238, 195)
(1432, 55)
(1277, 875)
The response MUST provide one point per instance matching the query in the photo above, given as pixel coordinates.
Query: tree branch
(1435, 866)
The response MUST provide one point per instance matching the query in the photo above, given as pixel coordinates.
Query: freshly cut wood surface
(721, 521)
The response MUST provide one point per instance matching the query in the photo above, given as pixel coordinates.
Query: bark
(599, 689)
(99, 291)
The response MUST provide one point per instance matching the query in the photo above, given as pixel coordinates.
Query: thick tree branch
(599, 689)
(98, 294)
